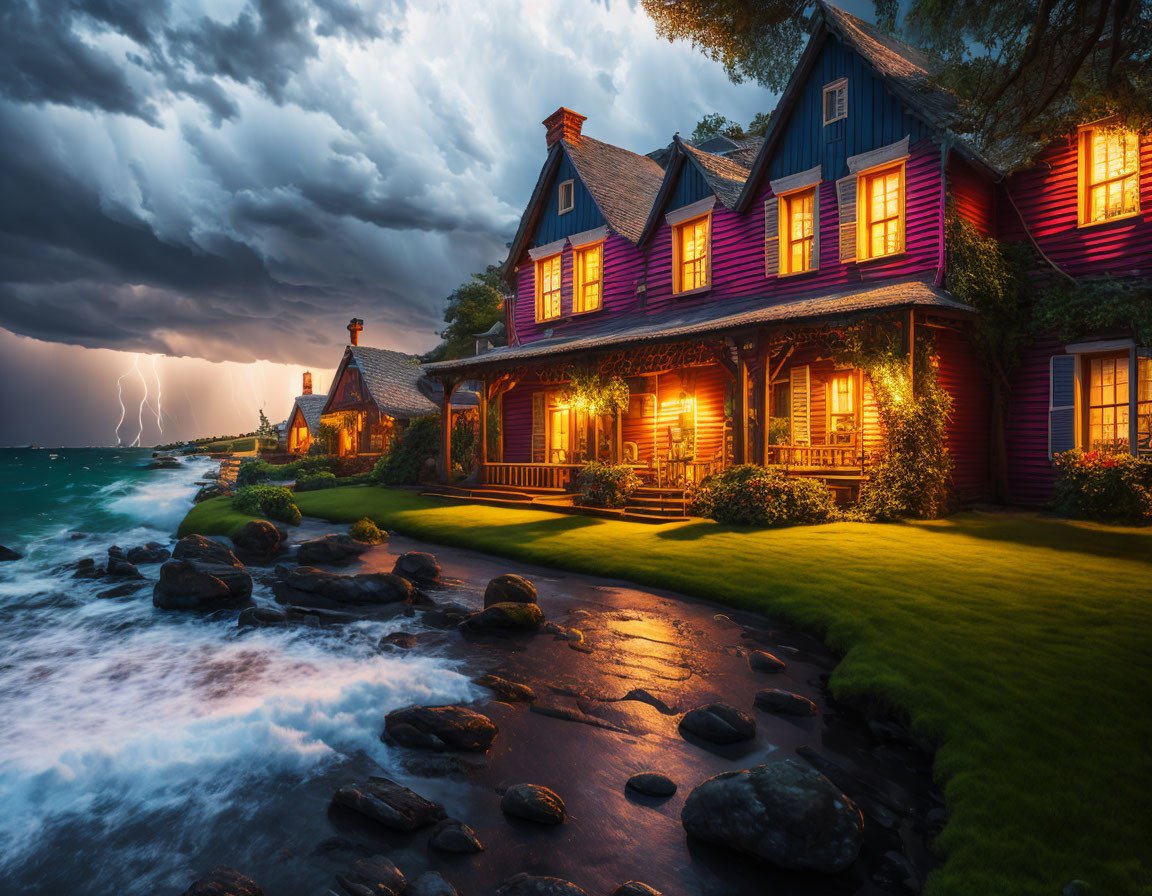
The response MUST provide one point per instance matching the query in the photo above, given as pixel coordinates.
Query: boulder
(116, 552)
(374, 876)
(445, 615)
(719, 723)
(331, 550)
(509, 589)
(529, 885)
(224, 882)
(440, 728)
(635, 888)
(652, 784)
(7, 554)
(431, 883)
(87, 569)
(212, 490)
(391, 804)
(123, 569)
(197, 547)
(508, 691)
(784, 813)
(784, 702)
(508, 617)
(257, 542)
(313, 587)
(153, 552)
(417, 567)
(260, 617)
(451, 835)
(402, 640)
(533, 803)
(760, 661)
(201, 585)
(165, 463)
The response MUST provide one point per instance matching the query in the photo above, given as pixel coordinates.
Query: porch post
(482, 433)
(445, 463)
(740, 412)
(746, 432)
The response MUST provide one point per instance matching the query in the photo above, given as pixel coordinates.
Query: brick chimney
(354, 327)
(564, 124)
(307, 383)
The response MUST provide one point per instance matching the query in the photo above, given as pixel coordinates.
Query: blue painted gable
(584, 215)
(690, 187)
(875, 117)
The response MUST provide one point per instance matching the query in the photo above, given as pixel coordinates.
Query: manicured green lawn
(1022, 644)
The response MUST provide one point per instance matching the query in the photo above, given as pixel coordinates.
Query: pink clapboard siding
(1046, 196)
(738, 258)
(1030, 473)
(517, 425)
(963, 375)
(973, 195)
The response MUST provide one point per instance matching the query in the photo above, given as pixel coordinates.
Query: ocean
(140, 747)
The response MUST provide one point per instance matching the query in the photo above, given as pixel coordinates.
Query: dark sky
(232, 180)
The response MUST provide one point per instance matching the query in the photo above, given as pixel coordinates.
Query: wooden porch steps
(661, 503)
(655, 509)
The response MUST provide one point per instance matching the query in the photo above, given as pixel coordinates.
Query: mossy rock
(367, 531)
(507, 616)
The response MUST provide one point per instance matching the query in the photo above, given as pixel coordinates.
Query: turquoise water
(139, 748)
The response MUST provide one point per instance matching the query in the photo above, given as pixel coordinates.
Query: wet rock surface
(531, 885)
(375, 876)
(7, 555)
(440, 728)
(431, 883)
(635, 888)
(224, 882)
(533, 802)
(451, 835)
(509, 588)
(257, 542)
(652, 784)
(505, 617)
(391, 804)
(331, 550)
(418, 567)
(719, 723)
(152, 552)
(784, 703)
(192, 584)
(314, 587)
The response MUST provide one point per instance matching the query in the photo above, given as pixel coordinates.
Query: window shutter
(1062, 404)
(801, 432)
(538, 433)
(846, 198)
(771, 237)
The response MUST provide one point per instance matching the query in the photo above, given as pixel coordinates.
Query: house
(375, 393)
(304, 418)
(726, 287)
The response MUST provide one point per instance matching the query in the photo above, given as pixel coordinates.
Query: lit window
(548, 288)
(691, 249)
(798, 232)
(1108, 403)
(841, 407)
(836, 101)
(1144, 406)
(567, 197)
(1109, 174)
(589, 263)
(881, 198)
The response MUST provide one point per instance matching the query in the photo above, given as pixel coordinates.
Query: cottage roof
(311, 406)
(729, 316)
(391, 379)
(908, 72)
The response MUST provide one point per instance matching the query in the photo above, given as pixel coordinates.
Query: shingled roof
(391, 379)
(725, 176)
(623, 183)
(311, 406)
(729, 316)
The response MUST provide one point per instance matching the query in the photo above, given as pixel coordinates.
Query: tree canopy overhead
(473, 307)
(1025, 71)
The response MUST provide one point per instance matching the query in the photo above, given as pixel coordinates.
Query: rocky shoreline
(621, 741)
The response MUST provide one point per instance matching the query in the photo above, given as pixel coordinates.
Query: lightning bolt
(120, 397)
(143, 401)
(159, 394)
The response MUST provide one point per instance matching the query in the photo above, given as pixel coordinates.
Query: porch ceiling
(717, 319)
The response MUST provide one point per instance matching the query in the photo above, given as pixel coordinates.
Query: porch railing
(558, 476)
(818, 457)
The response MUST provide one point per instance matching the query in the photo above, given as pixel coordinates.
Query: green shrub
(271, 501)
(1103, 485)
(749, 495)
(418, 441)
(327, 480)
(254, 471)
(366, 531)
(606, 485)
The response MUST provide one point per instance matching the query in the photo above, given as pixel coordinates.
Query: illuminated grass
(213, 517)
(1023, 645)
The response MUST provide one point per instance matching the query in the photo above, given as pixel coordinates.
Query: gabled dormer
(577, 238)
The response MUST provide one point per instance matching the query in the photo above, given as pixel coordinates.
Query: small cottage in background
(304, 418)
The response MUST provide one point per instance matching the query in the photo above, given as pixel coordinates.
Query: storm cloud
(234, 179)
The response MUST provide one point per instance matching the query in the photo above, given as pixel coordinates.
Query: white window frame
(841, 112)
(571, 185)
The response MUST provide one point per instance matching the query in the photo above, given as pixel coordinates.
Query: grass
(1020, 643)
(213, 517)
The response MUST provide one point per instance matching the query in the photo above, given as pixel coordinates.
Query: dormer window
(1109, 174)
(835, 101)
(691, 255)
(548, 288)
(567, 197)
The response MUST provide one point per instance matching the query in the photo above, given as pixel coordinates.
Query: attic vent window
(835, 101)
(567, 197)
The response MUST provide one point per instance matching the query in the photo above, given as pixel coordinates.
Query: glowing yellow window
(589, 292)
(1108, 403)
(798, 232)
(691, 249)
(841, 408)
(1109, 174)
(881, 198)
(1144, 406)
(548, 288)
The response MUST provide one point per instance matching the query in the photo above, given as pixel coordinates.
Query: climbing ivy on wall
(591, 391)
(1075, 310)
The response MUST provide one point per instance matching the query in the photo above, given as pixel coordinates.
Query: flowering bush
(749, 495)
(1104, 485)
(269, 501)
(606, 485)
